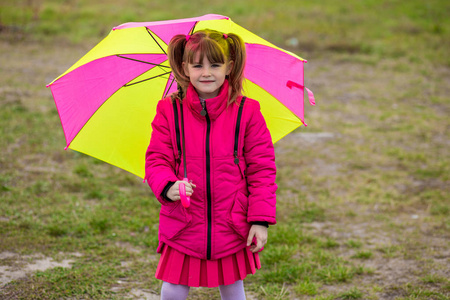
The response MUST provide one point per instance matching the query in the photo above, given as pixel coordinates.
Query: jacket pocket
(237, 217)
(173, 220)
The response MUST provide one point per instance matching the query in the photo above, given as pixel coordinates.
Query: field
(364, 190)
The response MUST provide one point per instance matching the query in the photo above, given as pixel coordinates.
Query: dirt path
(16, 266)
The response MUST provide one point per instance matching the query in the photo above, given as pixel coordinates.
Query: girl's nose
(206, 72)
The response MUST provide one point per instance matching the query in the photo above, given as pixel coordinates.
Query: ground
(363, 200)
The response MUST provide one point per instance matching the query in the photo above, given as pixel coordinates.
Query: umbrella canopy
(107, 100)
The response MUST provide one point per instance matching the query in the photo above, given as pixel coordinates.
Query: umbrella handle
(185, 200)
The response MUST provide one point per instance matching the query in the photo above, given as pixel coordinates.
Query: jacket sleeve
(159, 158)
(261, 170)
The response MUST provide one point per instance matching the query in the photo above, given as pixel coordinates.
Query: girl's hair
(218, 48)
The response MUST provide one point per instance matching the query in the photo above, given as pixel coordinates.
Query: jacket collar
(215, 106)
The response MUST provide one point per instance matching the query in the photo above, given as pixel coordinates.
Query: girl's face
(207, 77)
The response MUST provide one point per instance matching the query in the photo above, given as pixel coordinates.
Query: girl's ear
(230, 67)
(185, 69)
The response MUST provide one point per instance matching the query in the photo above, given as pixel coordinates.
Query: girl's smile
(207, 77)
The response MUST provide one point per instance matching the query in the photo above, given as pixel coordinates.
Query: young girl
(230, 165)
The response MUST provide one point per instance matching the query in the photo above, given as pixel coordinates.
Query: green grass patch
(274, 292)
(307, 213)
(89, 280)
(433, 278)
(417, 292)
(353, 293)
(328, 243)
(363, 255)
(354, 244)
(307, 287)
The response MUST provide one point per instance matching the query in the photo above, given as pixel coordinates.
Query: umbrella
(107, 100)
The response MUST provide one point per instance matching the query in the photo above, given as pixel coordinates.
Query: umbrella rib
(173, 80)
(155, 40)
(167, 91)
(145, 62)
(193, 27)
(130, 84)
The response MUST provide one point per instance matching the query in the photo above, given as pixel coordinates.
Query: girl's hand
(260, 233)
(174, 192)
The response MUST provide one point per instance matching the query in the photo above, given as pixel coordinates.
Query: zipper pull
(236, 159)
(203, 111)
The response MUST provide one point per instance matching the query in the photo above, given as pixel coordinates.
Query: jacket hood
(215, 106)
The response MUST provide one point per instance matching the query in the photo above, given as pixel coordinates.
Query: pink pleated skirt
(178, 268)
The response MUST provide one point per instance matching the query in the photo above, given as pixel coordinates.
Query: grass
(306, 287)
(354, 293)
(362, 211)
(363, 255)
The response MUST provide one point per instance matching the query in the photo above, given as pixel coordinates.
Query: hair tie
(225, 36)
(187, 37)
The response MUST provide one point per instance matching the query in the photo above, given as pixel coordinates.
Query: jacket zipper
(204, 112)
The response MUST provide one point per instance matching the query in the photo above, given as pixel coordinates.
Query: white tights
(233, 291)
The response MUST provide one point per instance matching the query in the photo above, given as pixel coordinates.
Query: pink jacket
(228, 197)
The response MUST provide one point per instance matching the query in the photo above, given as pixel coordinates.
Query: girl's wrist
(261, 223)
(166, 190)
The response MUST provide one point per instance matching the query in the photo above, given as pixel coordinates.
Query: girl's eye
(215, 65)
(197, 66)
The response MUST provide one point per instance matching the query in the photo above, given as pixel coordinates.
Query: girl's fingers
(174, 191)
(189, 188)
(258, 233)
(251, 234)
(193, 185)
(255, 249)
(259, 245)
(189, 184)
(189, 191)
